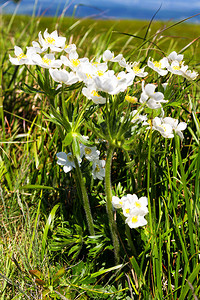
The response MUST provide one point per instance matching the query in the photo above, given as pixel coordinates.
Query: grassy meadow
(46, 248)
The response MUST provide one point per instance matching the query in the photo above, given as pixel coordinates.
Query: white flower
(159, 66)
(117, 202)
(48, 61)
(190, 75)
(173, 56)
(86, 71)
(35, 48)
(69, 48)
(73, 62)
(91, 153)
(62, 76)
(135, 219)
(152, 99)
(66, 160)
(177, 68)
(178, 128)
(22, 58)
(134, 68)
(109, 56)
(112, 84)
(98, 170)
(131, 203)
(137, 118)
(91, 93)
(125, 79)
(165, 129)
(52, 41)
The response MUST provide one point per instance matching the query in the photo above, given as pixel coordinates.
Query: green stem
(108, 189)
(85, 198)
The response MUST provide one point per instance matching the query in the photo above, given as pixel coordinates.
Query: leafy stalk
(86, 203)
(108, 190)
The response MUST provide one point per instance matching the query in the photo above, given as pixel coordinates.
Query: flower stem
(86, 203)
(108, 189)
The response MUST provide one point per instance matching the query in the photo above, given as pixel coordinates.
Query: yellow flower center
(127, 210)
(134, 219)
(88, 150)
(70, 157)
(46, 60)
(118, 77)
(136, 69)
(95, 63)
(75, 62)
(157, 64)
(97, 169)
(66, 46)
(100, 73)
(95, 93)
(88, 75)
(50, 40)
(176, 68)
(22, 55)
(138, 204)
(120, 202)
(131, 99)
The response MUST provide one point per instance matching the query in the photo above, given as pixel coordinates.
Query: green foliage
(45, 247)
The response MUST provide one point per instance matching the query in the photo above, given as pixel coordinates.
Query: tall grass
(43, 228)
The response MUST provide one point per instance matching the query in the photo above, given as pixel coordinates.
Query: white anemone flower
(47, 61)
(91, 93)
(117, 202)
(136, 70)
(159, 66)
(66, 160)
(177, 68)
(131, 202)
(52, 41)
(165, 129)
(177, 127)
(190, 74)
(135, 219)
(173, 56)
(21, 58)
(62, 76)
(73, 62)
(86, 71)
(152, 99)
(109, 56)
(125, 78)
(36, 48)
(137, 118)
(98, 170)
(69, 48)
(90, 153)
(112, 84)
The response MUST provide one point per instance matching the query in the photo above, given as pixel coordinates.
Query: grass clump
(50, 248)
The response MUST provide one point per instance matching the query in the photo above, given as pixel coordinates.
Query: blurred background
(107, 9)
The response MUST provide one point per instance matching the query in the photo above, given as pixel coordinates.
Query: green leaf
(40, 282)
(68, 139)
(37, 186)
(59, 274)
(36, 273)
(192, 277)
(46, 229)
(73, 249)
(106, 270)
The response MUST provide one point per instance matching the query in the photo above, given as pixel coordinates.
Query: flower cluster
(133, 209)
(100, 81)
(90, 153)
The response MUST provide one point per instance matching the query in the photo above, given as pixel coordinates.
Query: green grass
(43, 226)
